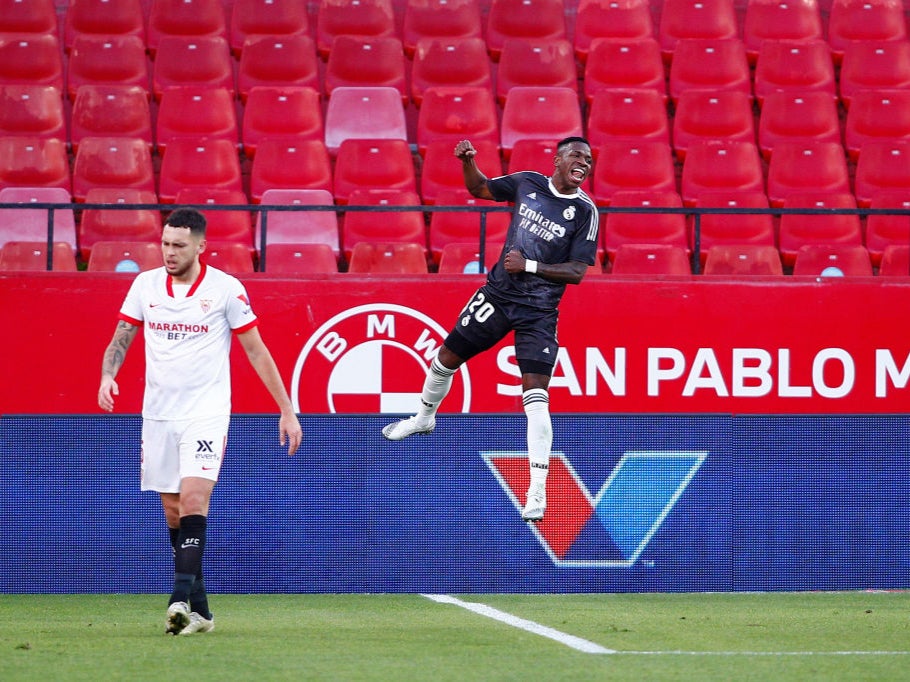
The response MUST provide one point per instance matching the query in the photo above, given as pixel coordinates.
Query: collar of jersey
(195, 285)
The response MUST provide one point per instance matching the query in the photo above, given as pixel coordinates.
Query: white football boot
(536, 502)
(198, 624)
(408, 427)
(178, 617)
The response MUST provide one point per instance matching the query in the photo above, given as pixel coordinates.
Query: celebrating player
(189, 312)
(552, 239)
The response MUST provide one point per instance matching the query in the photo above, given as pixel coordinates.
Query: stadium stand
(105, 19)
(539, 112)
(464, 258)
(455, 113)
(610, 19)
(195, 113)
(720, 165)
(230, 257)
(832, 260)
(283, 164)
(455, 227)
(624, 63)
(712, 64)
(300, 259)
(895, 261)
(192, 60)
(123, 162)
(876, 115)
(366, 61)
(733, 229)
(100, 225)
(110, 111)
(184, 18)
(460, 62)
(124, 256)
(27, 161)
(381, 227)
(212, 164)
(27, 109)
(799, 230)
(541, 20)
(370, 113)
(884, 230)
(286, 112)
(352, 17)
(224, 227)
(806, 166)
(644, 228)
(632, 165)
(793, 116)
(881, 167)
(299, 227)
(711, 115)
(28, 224)
(447, 20)
(743, 260)
(278, 60)
(873, 65)
(530, 63)
(441, 171)
(373, 164)
(266, 17)
(393, 258)
(650, 260)
(775, 20)
(794, 65)
(695, 19)
(32, 256)
(851, 20)
(35, 16)
(31, 59)
(635, 113)
(107, 60)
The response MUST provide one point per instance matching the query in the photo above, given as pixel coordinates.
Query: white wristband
(531, 266)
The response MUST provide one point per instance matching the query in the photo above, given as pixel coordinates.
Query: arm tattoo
(116, 350)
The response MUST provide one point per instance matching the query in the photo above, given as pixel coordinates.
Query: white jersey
(187, 340)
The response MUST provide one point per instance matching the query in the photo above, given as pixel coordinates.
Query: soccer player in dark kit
(551, 242)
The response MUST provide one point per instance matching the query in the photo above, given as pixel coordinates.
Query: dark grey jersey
(546, 226)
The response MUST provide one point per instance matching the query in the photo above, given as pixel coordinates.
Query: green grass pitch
(755, 636)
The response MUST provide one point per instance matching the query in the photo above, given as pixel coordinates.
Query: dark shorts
(485, 321)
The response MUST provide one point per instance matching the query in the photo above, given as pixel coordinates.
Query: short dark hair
(187, 217)
(569, 140)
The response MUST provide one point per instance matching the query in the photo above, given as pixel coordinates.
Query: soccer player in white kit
(189, 312)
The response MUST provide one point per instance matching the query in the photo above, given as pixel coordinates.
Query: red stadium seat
(34, 162)
(122, 162)
(286, 112)
(789, 116)
(212, 164)
(382, 227)
(882, 167)
(884, 230)
(699, 19)
(851, 20)
(639, 114)
(441, 171)
(832, 260)
(735, 260)
(624, 63)
(806, 166)
(456, 227)
(457, 113)
(203, 61)
(626, 19)
(712, 165)
(373, 164)
(35, 16)
(776, 20)
(895, 261)
(709, 64)
(229, 257)
(105, 19)
(464, 258)
(393, 258)
(533, 155)
(184, 18)
(300, 259)
(530, 63)
(101, 225)
(460, 62)
(30, 224)
(798, 230)
(794, 65)
(712, 115)
(283, 164)
(107, 60)
(299, 227)
(35, 110)
(110, 111)
(874, 65)
(651, 260)
(644, 228)
(124, 256)
(278, 61)
(544, 113)
(266, 17)
(193, 112)
(540, 20)
(364, 113)
(352, 17)
(31, 256)
(876, 115)
(733, 228)
(632, 165)
(446, 20)
(223, 226)
(31, 59)
(366, 61)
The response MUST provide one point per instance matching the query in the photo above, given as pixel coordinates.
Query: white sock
(435, 387)
(540, 432)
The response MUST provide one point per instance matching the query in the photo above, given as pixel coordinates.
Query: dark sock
(199, 601)
(188, 556)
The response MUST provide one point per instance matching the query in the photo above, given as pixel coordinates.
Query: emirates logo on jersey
(372, 358)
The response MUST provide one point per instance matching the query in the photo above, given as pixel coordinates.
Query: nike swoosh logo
(154, 305)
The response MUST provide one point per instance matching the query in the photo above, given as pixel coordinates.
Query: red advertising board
(361, 345)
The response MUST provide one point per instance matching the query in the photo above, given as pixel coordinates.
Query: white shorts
(174, 450)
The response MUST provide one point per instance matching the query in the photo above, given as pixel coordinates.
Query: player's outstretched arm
(474, 180)
(114, 356)
(289, 429)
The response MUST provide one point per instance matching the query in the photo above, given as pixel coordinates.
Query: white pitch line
(528, 625)
(761, 653)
